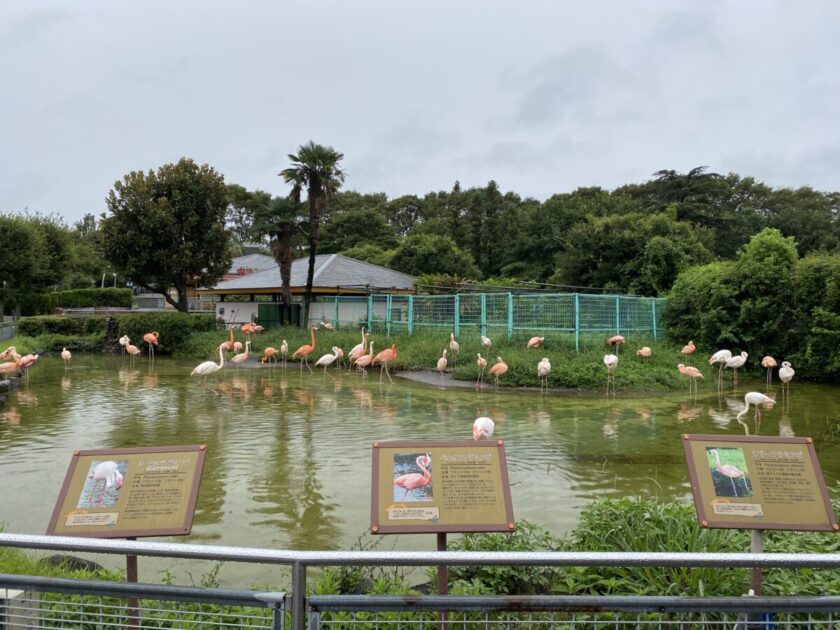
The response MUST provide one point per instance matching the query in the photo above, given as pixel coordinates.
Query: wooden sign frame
(67, 506)
(766, 463)
(506, 521)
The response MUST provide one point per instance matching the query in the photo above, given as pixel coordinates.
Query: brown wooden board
(129, 492)
(752, 482)
(422, 486)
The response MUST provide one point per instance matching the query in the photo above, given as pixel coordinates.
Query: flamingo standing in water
(365, 360)
(208, 367)
(454, 348)
(304, 351)
(27, 361)
(66, 356)
(109, 474)
(227, 346)
(441, 366)
(498, 369)
(692, 373)
(412, 481)
(735, 362)
(359, 349)
(384, 358)
(543, 369)
(755, 399)
(239, 359)
(720, 357)
(728, 470)
(152, 339)
(480, 363)
(268, 355)
(611, 361)
(124, 340)
(768, 363)
(132, 351)
(284, 350)
(327, 360)
(688, 350)
(483, 427)
(786, 373)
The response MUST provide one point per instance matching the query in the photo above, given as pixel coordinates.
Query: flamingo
(239, 359)
(326, 326)
(305, 350)
(248, 329)
(611, 361)
(339, 353)
(755, 399)
(412, 481)
(132, 351)
(109, 473)
(728, 470)
(535, 342)
(9, 367)
(486, 343)
(692, 373)
(268, 355)
(480, 363)
(208, 367)
(284, 350)
(688, 350)
(359, 349)
(327, 360)
(786, 373)
(499, 369)
(720, 357)
(66, 356)
(543, 369)
(227, 346)
(123, 341)
(441, 366)
(736, 362)
(27, 361)
(454, 348)
(645, 352)
(483, 427)
(365, 360)
(384, 358)
(237, 346)
(8, 353)
(152, 339)
(614, 341)
(769, 363)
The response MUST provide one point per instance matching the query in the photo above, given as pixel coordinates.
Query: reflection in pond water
(288, 453)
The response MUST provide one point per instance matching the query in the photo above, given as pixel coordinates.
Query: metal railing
(558, 611)
(8, 330)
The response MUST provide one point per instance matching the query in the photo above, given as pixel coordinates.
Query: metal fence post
(653, 315)
(510, 315)
(370, 312)
(298, 596)
(410, 314)
(388, 316)
(457, 308)
(483, 314)
(335, 311)
(617, 315)
(577, 322)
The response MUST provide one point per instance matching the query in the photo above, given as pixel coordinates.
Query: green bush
(46, 303)
(61, 325)
(175, 328)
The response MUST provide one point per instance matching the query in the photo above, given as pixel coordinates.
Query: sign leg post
(756, 546)
(443, 577)
(132, 614)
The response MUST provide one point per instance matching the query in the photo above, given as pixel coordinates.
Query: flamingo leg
(734, 489)
(388, 374)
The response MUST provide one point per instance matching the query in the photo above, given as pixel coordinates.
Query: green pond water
(289, 454)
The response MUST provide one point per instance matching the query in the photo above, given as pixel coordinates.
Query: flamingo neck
(312, 336)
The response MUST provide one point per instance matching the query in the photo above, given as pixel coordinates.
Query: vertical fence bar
(457, 308)
(335, 312)
(410, 314)
(577, 322)
(653, 316)
(388, 316)
(483, 314)
(298, 596)
(370, 312)
(510, 315)
(617, 315)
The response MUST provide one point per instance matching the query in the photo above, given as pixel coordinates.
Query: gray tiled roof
(257, 262)
(331, 270)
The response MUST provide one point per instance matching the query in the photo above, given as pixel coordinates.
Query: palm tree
(315, 168)
(280, 221)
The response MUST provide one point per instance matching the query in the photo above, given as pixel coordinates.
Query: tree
(315, 168)
(17, 273)
(422, 254)
(167, 229)
(352, 228)
(242, 209)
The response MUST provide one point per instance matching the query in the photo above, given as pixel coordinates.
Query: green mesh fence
(569, 316)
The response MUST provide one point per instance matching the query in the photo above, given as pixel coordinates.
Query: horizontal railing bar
(101, 588)
(420, 558)
(571, 603)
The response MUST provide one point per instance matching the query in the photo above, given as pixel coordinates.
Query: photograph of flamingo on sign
(413, 477)
(727, 466)
(104, 481)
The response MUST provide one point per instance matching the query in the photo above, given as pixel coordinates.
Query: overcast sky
(543, 96)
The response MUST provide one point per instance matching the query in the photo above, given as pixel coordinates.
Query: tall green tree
(242, 209)
(166, 229)
(316, 169)
(17, 272)
(422, 254)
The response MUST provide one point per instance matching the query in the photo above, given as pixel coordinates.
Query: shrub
(175, 328)
(60, 325)
(77, 298)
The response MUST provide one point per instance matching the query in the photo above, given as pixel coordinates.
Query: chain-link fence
(558, 315)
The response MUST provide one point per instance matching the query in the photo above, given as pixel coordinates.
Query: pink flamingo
(305, 350)
(535, 342)
(227, 345)
(611, 362)
(441, 366)
(284, 350)
(688, 350)
(132, 351)
(412, 481)
(499, 369)
(359, 349)
(786, 373)
(614, 341)
(239, 359)
(365, 360)
(8, 353)
(454, 348)
(720, 357)
(108, 473)
(66, 356)
(152, 339)
(480, 363)
(728, 470)
(692, 373)
(645, 352)
(543, 370)
(483, 427)
(384, 358)
(735, 362)
(769, 363)
(268, 355)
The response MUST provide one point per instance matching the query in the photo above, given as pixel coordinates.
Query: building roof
(251, 262)
(331, 271)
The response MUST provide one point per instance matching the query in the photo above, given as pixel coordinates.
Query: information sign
(129, 492)
(751, 482)
(440, 486)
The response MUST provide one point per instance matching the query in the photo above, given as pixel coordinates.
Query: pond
(289, 453)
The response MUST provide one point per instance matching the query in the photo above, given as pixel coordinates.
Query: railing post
(653, 315)
(577, 322)
(617, 314)
(388, 316)
(410, 314)
(370, 312)
(335, 312)
(298, 596)
(457, 315)
(510, 315)
(484, 314)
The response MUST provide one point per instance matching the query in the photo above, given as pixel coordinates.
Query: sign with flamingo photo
(422, 486)
(129, 492)
(752, 482)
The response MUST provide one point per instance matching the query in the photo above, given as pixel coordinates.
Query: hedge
(61, 325)
(77, 298)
